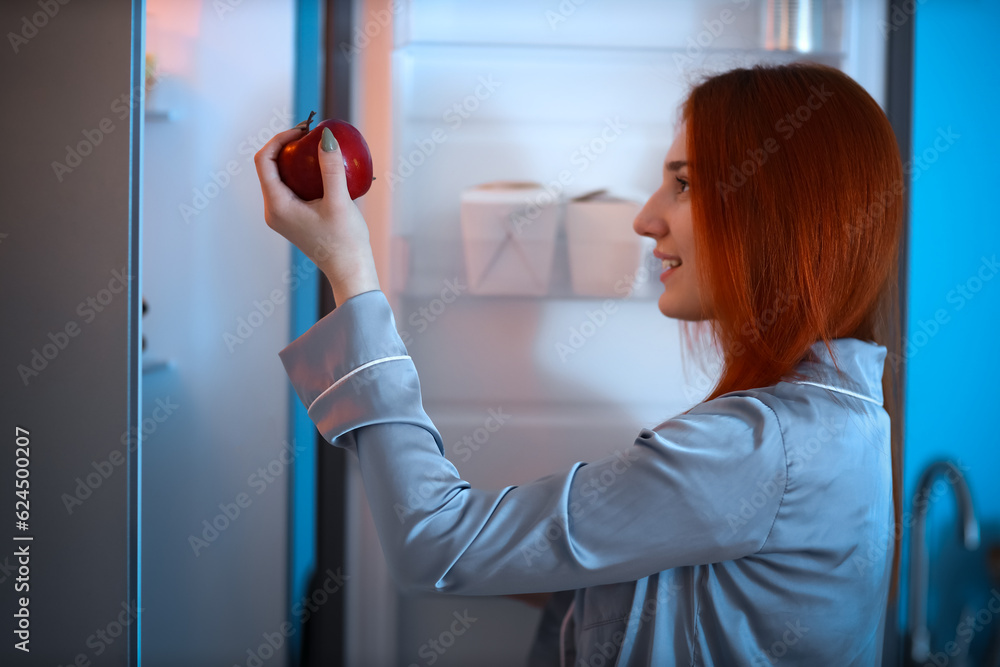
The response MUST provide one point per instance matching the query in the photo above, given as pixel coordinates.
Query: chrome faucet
(920, 636)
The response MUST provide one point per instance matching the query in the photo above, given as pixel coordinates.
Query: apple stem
(304, 125)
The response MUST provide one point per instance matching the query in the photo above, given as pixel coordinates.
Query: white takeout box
(604, 250)
(508, 235)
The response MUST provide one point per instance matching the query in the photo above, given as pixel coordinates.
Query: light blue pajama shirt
(754, 530)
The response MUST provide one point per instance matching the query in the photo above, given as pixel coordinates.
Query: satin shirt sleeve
(699, 488)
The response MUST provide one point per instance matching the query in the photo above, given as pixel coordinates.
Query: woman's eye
(684, 184)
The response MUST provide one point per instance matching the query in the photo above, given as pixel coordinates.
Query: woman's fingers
(331, 166)
(276, 193)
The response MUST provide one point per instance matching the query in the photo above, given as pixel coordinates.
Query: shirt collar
(862, 361)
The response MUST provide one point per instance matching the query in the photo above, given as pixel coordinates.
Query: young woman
(756, 527)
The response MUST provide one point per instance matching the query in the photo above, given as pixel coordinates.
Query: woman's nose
(649, 221)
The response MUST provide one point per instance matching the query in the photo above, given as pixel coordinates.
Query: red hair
(797, 213)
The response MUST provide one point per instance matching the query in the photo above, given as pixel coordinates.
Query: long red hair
(797, 213)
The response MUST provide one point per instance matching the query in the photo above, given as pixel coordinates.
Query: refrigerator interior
(575, 96)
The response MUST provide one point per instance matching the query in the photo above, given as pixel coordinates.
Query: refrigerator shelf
(552, 295)
(630, 24)
(433, 267)
(499, 50)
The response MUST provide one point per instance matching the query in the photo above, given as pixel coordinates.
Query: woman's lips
(669, 272)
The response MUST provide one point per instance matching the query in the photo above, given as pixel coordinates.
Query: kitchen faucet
(920, 638)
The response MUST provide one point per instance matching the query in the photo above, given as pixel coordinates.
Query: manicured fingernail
(328, 143)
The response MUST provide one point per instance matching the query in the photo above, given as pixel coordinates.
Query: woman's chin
(671, 308)
(668, 306)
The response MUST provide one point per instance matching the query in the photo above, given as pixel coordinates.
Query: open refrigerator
(515, 129)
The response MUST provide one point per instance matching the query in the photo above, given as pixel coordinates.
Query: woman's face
(666, 218)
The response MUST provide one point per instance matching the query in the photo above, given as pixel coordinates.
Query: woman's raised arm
(700, 488)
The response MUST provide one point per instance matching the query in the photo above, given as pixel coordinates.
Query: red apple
(298, 163)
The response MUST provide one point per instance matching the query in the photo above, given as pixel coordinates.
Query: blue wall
(954, 296)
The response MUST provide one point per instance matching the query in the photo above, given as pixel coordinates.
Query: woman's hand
(330, 231)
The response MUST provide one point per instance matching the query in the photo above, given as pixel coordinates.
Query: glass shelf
(599, 51)
(631, 25)
(435, 268)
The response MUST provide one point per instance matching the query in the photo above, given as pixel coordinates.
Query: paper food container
(604, 251)
(508, 237)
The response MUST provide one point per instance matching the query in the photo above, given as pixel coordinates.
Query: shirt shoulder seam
(784, 491)
(855, 394)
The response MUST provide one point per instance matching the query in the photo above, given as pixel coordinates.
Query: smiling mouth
(669, 271)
